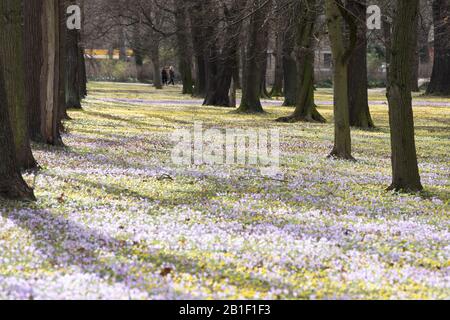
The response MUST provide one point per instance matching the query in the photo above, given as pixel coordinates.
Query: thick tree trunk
(212, 72)
(256, 58)
(277, 89)
(13, 72)
(357, 71)
(50, 74)
(34, 60)
(199, 36)
(200, 76)
(440, 79)
(290, 69)
(306, 109)
(184, 48)
(219, 89)
(45, 60)
(73, 98)
(12, 186)
(342, 141)
(154, 56)
(404, 157)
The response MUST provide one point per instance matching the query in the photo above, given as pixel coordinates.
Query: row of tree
(222, 46)
(42, 73)
(227, 40)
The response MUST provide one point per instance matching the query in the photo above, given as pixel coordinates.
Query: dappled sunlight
(116, 219)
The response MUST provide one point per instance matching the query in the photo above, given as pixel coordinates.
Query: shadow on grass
(66, 244)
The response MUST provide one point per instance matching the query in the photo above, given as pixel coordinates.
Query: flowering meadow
(116, 219)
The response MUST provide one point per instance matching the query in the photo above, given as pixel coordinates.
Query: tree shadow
(66, 244)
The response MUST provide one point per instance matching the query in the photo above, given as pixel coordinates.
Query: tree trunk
(357, 71)
(13, 72)
(220, 83)
(45, 60)
(154, 55)
(440, 79)
(82, 75)
(50, 88)
(199, 37)
(264, 93)
(34, 60)
(73, 98)
(277, 89)
(335, 14)
(306, 109)
(62, 107)
(404, 157)
(12, 186)
(184, 48)
(137, 45)
(289, 68)
(256, 57)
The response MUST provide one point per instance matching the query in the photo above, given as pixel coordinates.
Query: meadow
(116, 219)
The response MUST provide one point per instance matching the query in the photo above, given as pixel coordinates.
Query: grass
(108, 225)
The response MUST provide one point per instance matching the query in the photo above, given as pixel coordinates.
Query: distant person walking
(172, 76)
(164, 76)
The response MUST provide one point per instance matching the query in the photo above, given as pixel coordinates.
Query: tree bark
(34, 61)
(335, 14)
(404, 156)
(13, 72)
(12, 186)
(45, 60)
(440, 79)
(256, 57)
(50, 75)
(357, 71)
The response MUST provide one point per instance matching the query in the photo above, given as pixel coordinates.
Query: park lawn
(109, 224)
